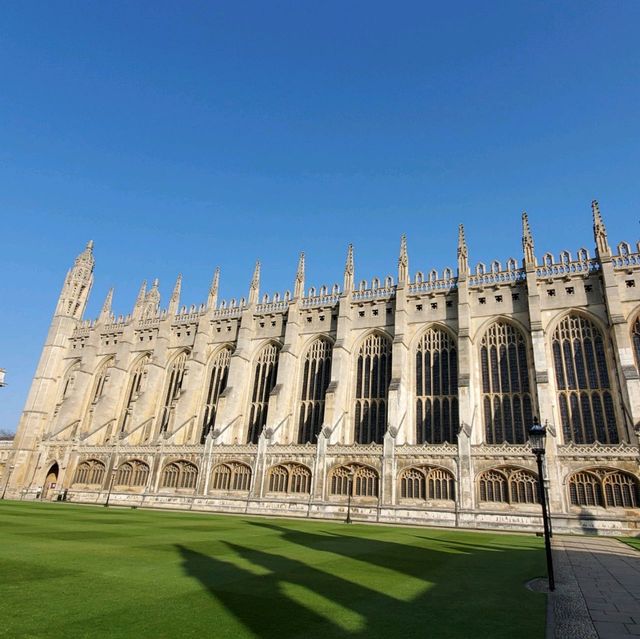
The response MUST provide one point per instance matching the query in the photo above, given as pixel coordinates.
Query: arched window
(493, 486)
(289, 478)
(90, 473)
(132, 473)
(427, 483)
(509, 485)
(264, 379)
(133, 390)
(506, 395)
(179, 474)
(436, 388)
(604, 487)
(101, 380)
(217, 383)
(316, 376)
(360, 481)
(231, 476)
(173, 389)
(585, 400)
(635, 334)
(372, 386)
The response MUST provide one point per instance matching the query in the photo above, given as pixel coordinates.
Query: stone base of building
(587, 523)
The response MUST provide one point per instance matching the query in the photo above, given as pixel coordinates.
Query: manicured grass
(74, 571)
(634, 542)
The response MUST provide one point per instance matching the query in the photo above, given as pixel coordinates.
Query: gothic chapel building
(413, 395)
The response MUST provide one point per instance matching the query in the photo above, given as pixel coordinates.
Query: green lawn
(74, 571)
(634, 542)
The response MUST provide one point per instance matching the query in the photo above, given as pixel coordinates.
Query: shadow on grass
(335, 585)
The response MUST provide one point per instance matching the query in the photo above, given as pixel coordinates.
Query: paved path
(597, 589)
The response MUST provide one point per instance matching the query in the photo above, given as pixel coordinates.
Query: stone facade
(412, 394)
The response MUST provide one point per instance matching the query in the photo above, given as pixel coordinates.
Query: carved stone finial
(298, 290)
(212, 300)
(105, 313)
(349, 271)
(463, 254)
(527, 241)
(403, 262)
(600, 232)
(139, 305)
(254, 289)
(174, 302)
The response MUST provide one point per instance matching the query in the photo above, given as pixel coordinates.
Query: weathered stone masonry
(413, 394)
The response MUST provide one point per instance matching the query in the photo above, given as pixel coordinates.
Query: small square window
(498, 298)
(107, 342)
(309, 318)
(448, 303)
(570, 290)
(228, 328)
(418, 307)
(551, 292)
(179, 334)
(588, 288)
(482, 300)
(150, 337)
(188, 333)
(515, 296)
(361, 313)
(218, 329)
(141, 338)
(434, 305)
(388, 311)
(273, 323)
(630, 283)
(375, 311)
(261, 324)
(322, 318)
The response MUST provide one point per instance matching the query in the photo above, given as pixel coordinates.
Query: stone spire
(138, 307)
(527, 242)
(77, 285)
(600, 232)
(152, 301)
(174, 302)
(298, 290)
(403, 262)
(105, 313)
(254, 289)
(463, 253)
(212, 300)
(348, 271)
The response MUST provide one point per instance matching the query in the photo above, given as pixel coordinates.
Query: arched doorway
(51, 481)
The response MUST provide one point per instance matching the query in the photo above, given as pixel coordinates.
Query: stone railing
(428, 450)
(501, 450)
(366, 294)
(497, 277)
(329, 299)
(626, 261)
(354, 449)
(273, 307)
(281, 449)
(625, 450)
(564, 268)
(227, 312)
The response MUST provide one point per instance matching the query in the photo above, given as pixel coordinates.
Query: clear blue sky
(183, 135)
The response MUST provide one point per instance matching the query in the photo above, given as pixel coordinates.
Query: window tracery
(134, 389)
(316, 375)
(132, 473)
(585, 400)
(217, 383)
(508, 485)
(427, 483)
(361, 481)
(264, 379)
(436, 388)
(289, 478)
(179, 474)
(173, 389)
(506, 395)
(604, 487)
(373, 375)
(231, 476)
(90, 472)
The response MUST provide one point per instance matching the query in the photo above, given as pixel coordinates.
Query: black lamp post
(113, 476)
(350, 488)
(537, 439)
